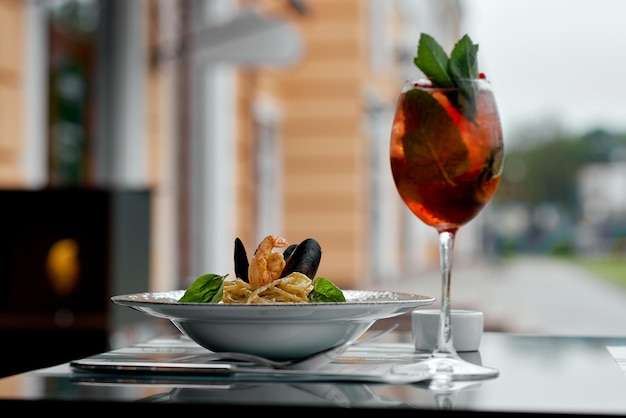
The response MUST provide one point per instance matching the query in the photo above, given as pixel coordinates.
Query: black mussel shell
(288, 251)
(304, 259)
(241, 261)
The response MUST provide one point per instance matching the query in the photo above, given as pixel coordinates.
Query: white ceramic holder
(467, 329)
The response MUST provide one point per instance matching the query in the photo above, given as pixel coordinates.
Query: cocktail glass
(446, 154)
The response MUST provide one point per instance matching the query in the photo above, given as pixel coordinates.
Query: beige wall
(326, 159)
(11, 93)
(326, 155)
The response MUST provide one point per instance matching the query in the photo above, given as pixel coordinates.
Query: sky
(562, 61)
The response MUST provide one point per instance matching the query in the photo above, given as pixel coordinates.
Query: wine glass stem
(445, 345)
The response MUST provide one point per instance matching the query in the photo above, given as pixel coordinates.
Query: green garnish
(326, 291)
(451, 72)
(207, 288)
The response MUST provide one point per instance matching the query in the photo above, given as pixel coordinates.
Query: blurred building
(602, 195)
(241, 119)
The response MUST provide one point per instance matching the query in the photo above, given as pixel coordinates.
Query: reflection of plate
(283, 330)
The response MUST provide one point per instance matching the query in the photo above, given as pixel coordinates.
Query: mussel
(241, 261)
(289, 250)
(305, 258)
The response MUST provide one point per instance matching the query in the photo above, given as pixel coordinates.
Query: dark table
(538, 375)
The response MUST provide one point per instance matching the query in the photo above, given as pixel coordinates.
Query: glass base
(443, 370)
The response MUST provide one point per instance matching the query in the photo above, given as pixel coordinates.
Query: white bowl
(467, 329)
(279, 330)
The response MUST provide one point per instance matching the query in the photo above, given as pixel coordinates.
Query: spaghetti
(293, 288)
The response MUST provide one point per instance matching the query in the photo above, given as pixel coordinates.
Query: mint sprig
(452, 71)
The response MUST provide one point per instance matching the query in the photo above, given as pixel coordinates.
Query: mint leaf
(463, 67)
(326, 291)
(466, 102)
(463, 62)
(433, 61)
(207, 288)
(432, 137)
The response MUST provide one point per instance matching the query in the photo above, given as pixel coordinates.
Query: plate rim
(407, 299)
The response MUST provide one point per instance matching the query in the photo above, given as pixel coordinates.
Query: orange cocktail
(446, 164)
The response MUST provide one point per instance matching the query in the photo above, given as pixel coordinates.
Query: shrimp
(266, 265)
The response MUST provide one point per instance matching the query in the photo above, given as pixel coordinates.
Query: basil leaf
(433, 61)
(326, 291)
(207, 288)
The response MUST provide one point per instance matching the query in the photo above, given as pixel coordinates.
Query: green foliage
(562, 248)
(550, 168)
(612, 268)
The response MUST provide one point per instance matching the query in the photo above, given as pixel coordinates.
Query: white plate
(281, 330)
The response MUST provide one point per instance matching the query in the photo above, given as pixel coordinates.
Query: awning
(247, 39)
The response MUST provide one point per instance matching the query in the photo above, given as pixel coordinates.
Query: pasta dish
(269, 277)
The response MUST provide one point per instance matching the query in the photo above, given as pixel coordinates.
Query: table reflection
(223, 392)
(538, 374)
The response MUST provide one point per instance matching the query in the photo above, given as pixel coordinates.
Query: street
(535, 295)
